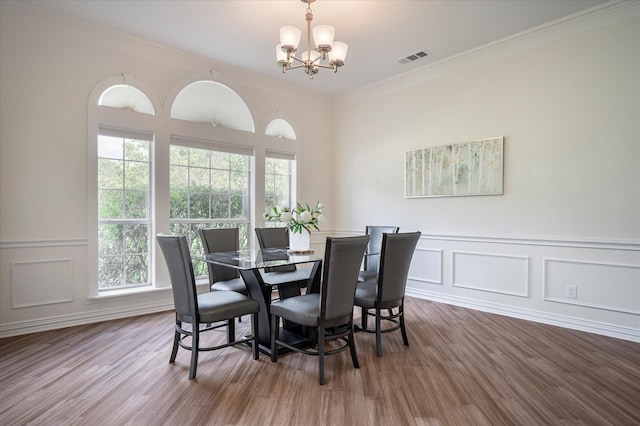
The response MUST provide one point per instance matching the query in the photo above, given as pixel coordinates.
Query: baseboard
(82, 318)
(604, 329)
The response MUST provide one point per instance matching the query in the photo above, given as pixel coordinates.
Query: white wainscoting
(527, 278)
(41, 282)
(426, 266)
(607, 286)
(497, 273)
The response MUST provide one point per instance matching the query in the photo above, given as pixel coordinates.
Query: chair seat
(220, 305)
(367, 276)
(366, 293)
(275, 278)
(303, 310)
(236, 284)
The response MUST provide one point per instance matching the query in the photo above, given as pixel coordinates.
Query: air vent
(414, 57)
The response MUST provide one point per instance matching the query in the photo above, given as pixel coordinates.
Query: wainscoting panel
(607, 286)
(41, 282)
(426, 266)
(494, 273)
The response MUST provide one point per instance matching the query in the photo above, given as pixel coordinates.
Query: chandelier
(310, 61)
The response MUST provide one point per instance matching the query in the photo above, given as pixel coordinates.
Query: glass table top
(262, 258)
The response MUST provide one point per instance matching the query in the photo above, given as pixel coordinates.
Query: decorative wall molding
(41, 282)
(421, 260)
(494, 273)
(517, 239)
(25, 244)
(605, 329)
(595, 279)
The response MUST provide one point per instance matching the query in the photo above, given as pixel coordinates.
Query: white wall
(48, 68)
(568, 106)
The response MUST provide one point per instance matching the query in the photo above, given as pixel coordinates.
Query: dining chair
(220, 240)
(208, 308)
(279, 275)
(388, 291)
(328, 313)
(371, 262)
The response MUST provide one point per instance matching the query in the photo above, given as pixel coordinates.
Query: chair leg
(378, 333)
(402, 327)
(321, 342)
(254, 333)
(231, 330)
(364, 313)
(176, 340)
(352, 348)
(195, 338)
(275, 324)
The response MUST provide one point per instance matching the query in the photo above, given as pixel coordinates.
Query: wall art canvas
(472, 168)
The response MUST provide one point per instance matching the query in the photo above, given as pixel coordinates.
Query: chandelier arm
(294, 67)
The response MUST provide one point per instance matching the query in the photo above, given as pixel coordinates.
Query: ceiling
(243, 34)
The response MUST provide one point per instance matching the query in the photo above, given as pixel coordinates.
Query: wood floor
(463, 367)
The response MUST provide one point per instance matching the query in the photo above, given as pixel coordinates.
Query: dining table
(261, 286)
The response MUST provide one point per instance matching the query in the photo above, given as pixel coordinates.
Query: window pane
(135, 204)
(110, 204)
(199, 206)
(110, 173)
(219, 180)
(110, 239)
(123, 212)
(199, 180)
(135, 150)
(199, 158)
(179, 205)
(137, 270)
(236, 205)
(179, 178)
(217, 190)
(278, 183)
(179, 155)
(110, 147)
(219, 160)
(220, 206)
(239, 182)
(136, 175)
(110, 272)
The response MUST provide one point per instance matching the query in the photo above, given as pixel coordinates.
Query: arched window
(124, 96)
(212, 103)
(281, 129)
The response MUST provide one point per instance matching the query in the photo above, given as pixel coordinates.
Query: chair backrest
(218, 240)
(342, 259)
(371, 262)
(274, 238)
(176, 254)
(397, 252)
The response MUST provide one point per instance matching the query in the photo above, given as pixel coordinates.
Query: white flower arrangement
(302, 217)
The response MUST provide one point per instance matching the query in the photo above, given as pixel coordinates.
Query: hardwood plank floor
(463, 367)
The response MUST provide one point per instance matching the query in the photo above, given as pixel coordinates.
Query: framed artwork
(471, 168)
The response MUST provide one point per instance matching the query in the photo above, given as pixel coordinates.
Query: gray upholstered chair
(289, 274)
(370, 272)
(328, 313)
(208, 308)
(219, 240)
(388, 291)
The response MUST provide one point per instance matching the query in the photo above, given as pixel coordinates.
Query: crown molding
(607, 14)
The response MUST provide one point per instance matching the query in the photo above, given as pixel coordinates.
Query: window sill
(124, 293)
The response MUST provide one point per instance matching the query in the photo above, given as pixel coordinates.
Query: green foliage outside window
(123, 213)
